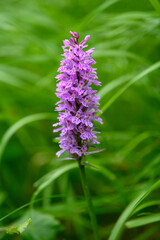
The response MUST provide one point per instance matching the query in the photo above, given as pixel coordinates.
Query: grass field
(125, 187)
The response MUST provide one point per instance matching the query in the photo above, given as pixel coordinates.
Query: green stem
(88, 199)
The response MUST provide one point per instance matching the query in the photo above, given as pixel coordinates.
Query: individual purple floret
(78, 103)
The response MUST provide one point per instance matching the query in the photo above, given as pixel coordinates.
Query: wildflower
(78, 103)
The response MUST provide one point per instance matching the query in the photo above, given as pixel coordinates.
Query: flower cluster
(78, 103)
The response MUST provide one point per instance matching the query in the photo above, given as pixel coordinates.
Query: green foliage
(121, 91)
(126, 38)
(44, 226)
(128, 212)
(17, 228)
(50, 177)
(10, 132)
(143, 221)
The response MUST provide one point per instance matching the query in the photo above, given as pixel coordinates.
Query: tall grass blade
(156, 5)
(138, 222)
(119, 226)
(96, 12)
(113, 84)
(24, 121)
(50, 177)
(135, 79)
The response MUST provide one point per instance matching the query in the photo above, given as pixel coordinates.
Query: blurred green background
(126, 38)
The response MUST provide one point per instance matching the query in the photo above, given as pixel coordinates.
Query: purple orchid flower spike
(78, 103)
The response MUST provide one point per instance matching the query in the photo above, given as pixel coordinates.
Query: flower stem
(88, 199)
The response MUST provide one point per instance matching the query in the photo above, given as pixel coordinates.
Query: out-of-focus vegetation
(126, 38)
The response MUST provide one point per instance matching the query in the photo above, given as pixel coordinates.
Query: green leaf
(135, 79)
(134, 142)
(20, 73)
(106, 172)
(148, 167)
(47, 179)
(113, 84)
(138, 222)
(12, 130)
(11, 80)
(44, 226)
(147, 204)
(156, 5)
(96, 12)
(119, 226)
(27, 205)
(117, 54)
(18, 228)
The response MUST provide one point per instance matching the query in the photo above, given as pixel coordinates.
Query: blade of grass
(95, 12)
(20, 73)
(135, 79)
(28, 204)
(11, 80)
(148, 167)
(147, 234)
(113, 84)
(43, 182)
(22, 122)
(145, 205)
(107, 173)
(117, 54)
(156, 5)
(133, 143)
(119, 226)
(138, 222)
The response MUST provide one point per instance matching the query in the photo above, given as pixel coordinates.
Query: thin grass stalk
(88, 199)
